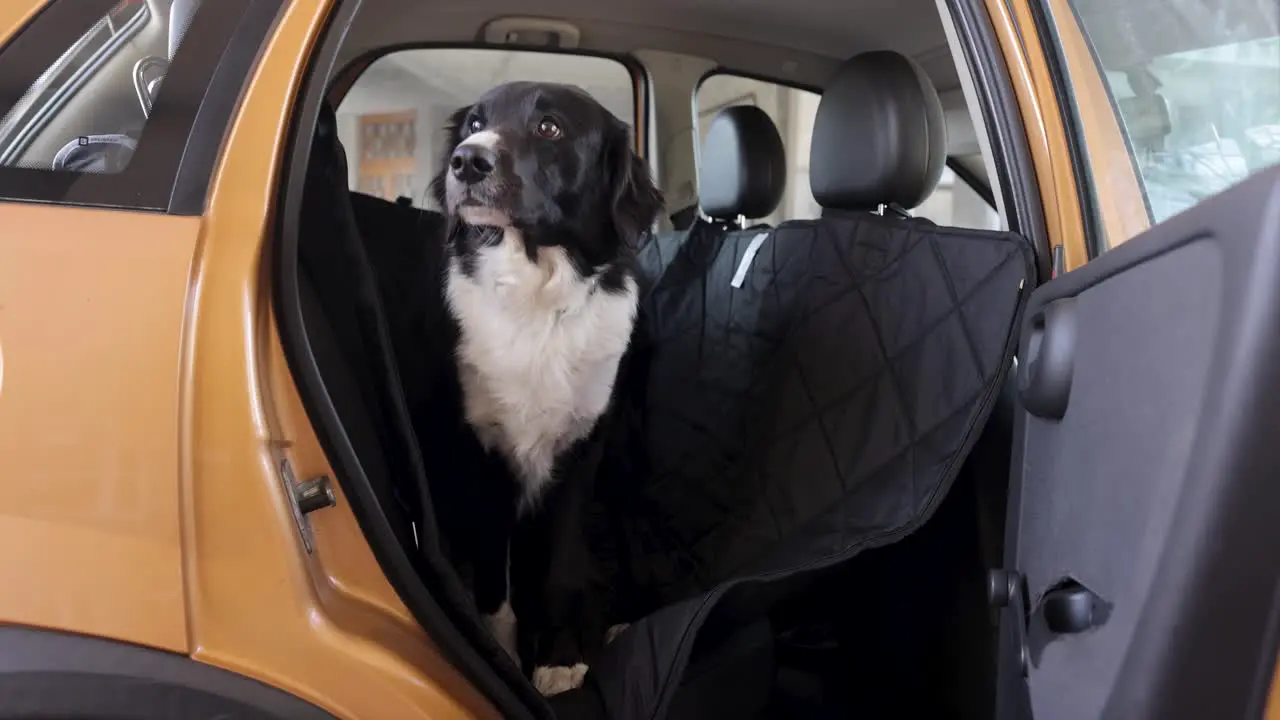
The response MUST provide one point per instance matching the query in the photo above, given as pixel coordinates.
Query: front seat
(742, 175)
(743, 172)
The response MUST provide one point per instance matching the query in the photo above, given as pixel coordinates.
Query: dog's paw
(502, 625)
(612, 633)
(558, 678)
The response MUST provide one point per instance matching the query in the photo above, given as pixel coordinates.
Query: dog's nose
(472, 163)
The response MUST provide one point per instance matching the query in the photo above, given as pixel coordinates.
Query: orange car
(211, 497)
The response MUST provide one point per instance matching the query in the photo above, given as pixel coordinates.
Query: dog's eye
(475, 125)
(548, 129)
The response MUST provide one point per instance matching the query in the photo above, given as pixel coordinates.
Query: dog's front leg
(492, 582)
(562, 628)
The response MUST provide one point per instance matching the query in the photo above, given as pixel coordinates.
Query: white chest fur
(538, 354)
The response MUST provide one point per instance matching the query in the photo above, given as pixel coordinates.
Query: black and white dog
(546, 202)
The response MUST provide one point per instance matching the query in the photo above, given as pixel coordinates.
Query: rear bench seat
(752, 332)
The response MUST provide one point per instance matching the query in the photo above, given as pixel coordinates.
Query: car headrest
(879, 137)
(181, 12)
(744, 166)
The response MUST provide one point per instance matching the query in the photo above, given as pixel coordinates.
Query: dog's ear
(453, 130)
(636, 201)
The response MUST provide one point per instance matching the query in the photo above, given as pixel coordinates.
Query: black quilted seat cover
(820, 408)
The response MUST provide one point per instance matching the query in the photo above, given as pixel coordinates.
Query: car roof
(799, 42)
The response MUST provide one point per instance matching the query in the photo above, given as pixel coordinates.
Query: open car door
(1143, 538)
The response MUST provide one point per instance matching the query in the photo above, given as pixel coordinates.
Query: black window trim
(172, 169)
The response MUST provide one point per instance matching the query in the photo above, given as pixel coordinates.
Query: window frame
(962, 173)
(325, 82)
(1115, 205)
(171, 170)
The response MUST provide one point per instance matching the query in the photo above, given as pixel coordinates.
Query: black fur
(587, 192)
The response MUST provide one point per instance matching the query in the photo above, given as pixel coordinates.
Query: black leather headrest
(744, 166)
(879, 136)
(181, 12)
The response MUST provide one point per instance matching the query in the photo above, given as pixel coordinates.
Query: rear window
(954, 203)
(392, 121)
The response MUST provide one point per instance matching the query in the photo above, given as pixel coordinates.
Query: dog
(545, 202)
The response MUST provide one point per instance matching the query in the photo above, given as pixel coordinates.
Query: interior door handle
(1044, 382)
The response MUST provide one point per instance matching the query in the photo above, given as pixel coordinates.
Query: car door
(1140, 569)
(100, 204)
(1141, 541)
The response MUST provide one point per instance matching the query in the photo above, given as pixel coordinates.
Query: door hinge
(305, 498)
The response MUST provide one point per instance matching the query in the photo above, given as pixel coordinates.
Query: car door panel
(1142, 469)
(91, 313)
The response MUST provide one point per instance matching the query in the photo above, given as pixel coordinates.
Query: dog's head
(551, 162)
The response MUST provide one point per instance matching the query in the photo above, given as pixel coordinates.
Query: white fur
(476, 215)
(486, 139)
(558, 678)
(539, 352)
(502, 625)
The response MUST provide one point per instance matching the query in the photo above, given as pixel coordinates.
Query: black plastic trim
(212, 121)
(1086, 190)
(1208, 634)
(1002, 121)
(170, 172)
(47, 674)
(399, 567)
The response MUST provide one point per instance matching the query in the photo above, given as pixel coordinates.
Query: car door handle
(1044, 382)
(1069, 608)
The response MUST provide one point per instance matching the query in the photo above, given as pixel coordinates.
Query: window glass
(392, 121)
(103, 102)
(1195, 87)
(86, 111)
(793, 110)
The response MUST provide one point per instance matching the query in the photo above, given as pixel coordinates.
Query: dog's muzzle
(472, 164)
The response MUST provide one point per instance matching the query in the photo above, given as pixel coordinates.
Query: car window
(101, 101)
(392, 121)
(954, 203)
(1195, 88)
(75, 116)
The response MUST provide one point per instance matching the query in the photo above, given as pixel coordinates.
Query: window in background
(1195, 87)
(953, 203)
(392, 121)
